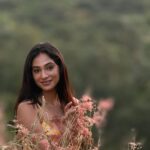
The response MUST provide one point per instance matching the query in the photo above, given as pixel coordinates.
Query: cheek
(35, 77)
(58, 77)
(58, 74)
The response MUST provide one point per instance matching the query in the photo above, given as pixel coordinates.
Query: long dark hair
(30, 91)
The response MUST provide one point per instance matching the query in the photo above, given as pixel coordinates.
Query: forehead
(42, 59)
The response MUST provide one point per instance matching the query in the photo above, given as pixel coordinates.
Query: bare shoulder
(26, 113)
(26, 107)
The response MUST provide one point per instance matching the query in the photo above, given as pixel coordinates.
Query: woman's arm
(27, 116)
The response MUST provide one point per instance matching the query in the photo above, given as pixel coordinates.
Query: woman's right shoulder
(26, 114)
(26, 106)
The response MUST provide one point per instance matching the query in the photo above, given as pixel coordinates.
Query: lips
(46, 83)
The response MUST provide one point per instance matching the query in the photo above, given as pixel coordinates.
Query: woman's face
(45, 72)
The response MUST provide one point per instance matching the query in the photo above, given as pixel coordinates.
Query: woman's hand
(75, 102)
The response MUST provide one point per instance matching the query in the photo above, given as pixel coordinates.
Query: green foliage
(106, 48)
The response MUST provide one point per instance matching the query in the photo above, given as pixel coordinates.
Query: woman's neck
(51, 97)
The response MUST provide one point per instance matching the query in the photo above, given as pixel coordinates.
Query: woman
(45, 78)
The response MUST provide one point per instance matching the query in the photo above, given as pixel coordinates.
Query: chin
(48, 88)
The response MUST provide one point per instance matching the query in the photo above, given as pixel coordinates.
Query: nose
(44, 74)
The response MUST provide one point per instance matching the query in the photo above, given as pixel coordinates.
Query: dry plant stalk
(133, 145)
(2, 126)
(76, 135)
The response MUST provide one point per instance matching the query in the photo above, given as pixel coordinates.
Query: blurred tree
(106, 48)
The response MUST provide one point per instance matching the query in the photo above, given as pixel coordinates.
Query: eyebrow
(49, 63)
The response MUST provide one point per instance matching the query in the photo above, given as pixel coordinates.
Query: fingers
(68, 106)
(75, 101)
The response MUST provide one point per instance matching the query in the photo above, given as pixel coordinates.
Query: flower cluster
(77, 124)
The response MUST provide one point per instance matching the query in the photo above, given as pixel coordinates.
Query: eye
(36, 70)
(49, 67)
